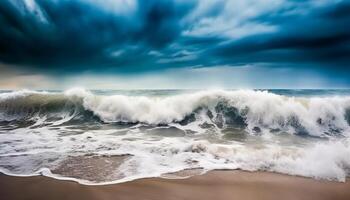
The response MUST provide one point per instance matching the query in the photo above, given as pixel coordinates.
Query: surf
(70, 134)
(254, 111)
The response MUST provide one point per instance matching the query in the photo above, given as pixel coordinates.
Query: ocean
(112, 136)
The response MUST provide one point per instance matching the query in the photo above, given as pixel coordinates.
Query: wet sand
(213, 185)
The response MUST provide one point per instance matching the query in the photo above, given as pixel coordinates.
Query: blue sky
(119, 44)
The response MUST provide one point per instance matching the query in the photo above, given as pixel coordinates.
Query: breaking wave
(71, 134)
(254, 111)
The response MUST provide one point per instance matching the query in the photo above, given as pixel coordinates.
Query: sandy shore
(214, 185)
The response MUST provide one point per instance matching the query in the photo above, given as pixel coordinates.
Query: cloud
(230, 19)
(82, 33)
(224, 77)
(136, 36)
(319, 36)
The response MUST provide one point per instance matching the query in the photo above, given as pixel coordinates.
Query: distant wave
(254, 111)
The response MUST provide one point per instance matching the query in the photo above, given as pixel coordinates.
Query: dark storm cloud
(131, 36)
(321, 36)
(84, 34)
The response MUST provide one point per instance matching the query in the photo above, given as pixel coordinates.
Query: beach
(219, 184)
(174, 100)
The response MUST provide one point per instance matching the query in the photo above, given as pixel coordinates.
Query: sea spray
(164, 132)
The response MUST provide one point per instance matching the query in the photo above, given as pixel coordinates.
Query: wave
(161, 134)
(326, 161)
(256, 112)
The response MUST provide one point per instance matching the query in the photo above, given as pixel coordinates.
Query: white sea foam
(19, 93)
(156, 150)
(316, 115)
(152, 158)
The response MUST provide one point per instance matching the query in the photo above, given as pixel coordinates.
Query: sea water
(112, 136)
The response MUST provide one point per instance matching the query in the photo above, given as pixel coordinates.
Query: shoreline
(218, 184)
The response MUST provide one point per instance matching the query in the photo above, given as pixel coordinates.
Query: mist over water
(105, 136)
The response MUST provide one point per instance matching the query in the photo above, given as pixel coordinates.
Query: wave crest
(255, 111)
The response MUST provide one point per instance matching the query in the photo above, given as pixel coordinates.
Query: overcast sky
(136, 44)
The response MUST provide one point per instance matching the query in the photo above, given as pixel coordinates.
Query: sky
(170, 44)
